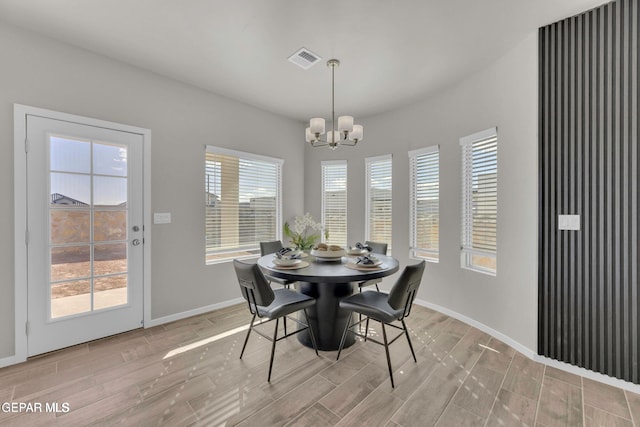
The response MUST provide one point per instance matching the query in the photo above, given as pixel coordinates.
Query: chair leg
(313, 338)
(377, 288)
(366, 330)
(386, 349)
(344, 336)
(406, 332)
(284, 319)
(273, 349)
(359, 314)
(246, 339)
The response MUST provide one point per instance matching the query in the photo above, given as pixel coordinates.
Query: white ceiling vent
(304, 58)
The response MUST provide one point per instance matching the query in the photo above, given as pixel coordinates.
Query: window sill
(480, 270)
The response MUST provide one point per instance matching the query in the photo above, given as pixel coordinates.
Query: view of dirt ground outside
(71, 264)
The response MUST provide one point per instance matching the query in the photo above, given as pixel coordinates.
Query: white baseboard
(592, 375)
(484, 328)
(11, 360)
(191, 313)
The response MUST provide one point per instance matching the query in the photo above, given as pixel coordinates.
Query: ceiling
(393, 52)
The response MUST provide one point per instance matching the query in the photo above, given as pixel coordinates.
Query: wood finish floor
(188, 373)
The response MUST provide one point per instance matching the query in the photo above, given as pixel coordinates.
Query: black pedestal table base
(327, 319)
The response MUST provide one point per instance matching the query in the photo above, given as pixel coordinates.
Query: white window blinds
(480, 201)
(242, 203)
(334, 201)
(379, 198)
(424, 220)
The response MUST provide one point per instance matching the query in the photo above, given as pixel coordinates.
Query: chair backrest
(406, 287)
(267, 248)
(377, 247)
(254, 287)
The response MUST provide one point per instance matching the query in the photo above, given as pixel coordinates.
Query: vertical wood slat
(633, 190)
(588, 136)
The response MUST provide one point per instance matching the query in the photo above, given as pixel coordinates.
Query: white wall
(504, 95)
(40, 72)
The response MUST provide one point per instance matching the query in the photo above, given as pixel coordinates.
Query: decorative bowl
(328, 254)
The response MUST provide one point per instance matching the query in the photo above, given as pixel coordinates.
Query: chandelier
(347, 133)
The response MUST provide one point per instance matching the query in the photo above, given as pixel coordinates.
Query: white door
(85, 233)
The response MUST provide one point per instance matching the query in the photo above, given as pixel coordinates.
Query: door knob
(135, 242)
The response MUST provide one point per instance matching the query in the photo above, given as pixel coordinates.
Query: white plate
(355, 251)
(286, 262)
(363, 267)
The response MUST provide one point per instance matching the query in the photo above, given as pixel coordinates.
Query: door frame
(20, 113)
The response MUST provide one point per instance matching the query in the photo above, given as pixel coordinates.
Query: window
(378, 202)
(242, 203)
(480, 201)
(334, 201)
(424, 220)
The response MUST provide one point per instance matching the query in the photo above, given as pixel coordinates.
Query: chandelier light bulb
(345, 124)
(357, 133)
(333, 136)
(317, 126)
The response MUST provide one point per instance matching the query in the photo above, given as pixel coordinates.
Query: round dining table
(328, 282)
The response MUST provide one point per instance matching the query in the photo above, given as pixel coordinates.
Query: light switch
(568, 222)
(162, 218)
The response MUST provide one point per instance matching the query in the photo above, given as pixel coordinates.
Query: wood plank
(512, 409)
(560, 404)
(425, 412)
(347, 395)
(316, 416)
(595, 417)
(633, 400)
(286, 409)
(608, 398)
(458, 416)
(375, 410)
(524, 377)
(478, 391)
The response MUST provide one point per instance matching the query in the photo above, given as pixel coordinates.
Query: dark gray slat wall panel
(588, 165)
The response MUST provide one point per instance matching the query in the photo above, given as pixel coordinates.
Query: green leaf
(287, 230)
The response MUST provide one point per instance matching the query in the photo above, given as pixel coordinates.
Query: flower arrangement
(305, 233)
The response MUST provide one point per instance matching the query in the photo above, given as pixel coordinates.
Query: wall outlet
(568, 222)
(162, 218)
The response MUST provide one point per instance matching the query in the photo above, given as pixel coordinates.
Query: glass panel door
(87, 226)
(84, 216)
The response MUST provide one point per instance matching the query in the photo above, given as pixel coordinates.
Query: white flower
(303, 222)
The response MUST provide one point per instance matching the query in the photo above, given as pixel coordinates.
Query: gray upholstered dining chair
(269, 304)
(386, 309)
(376, 248)
(272, 247)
